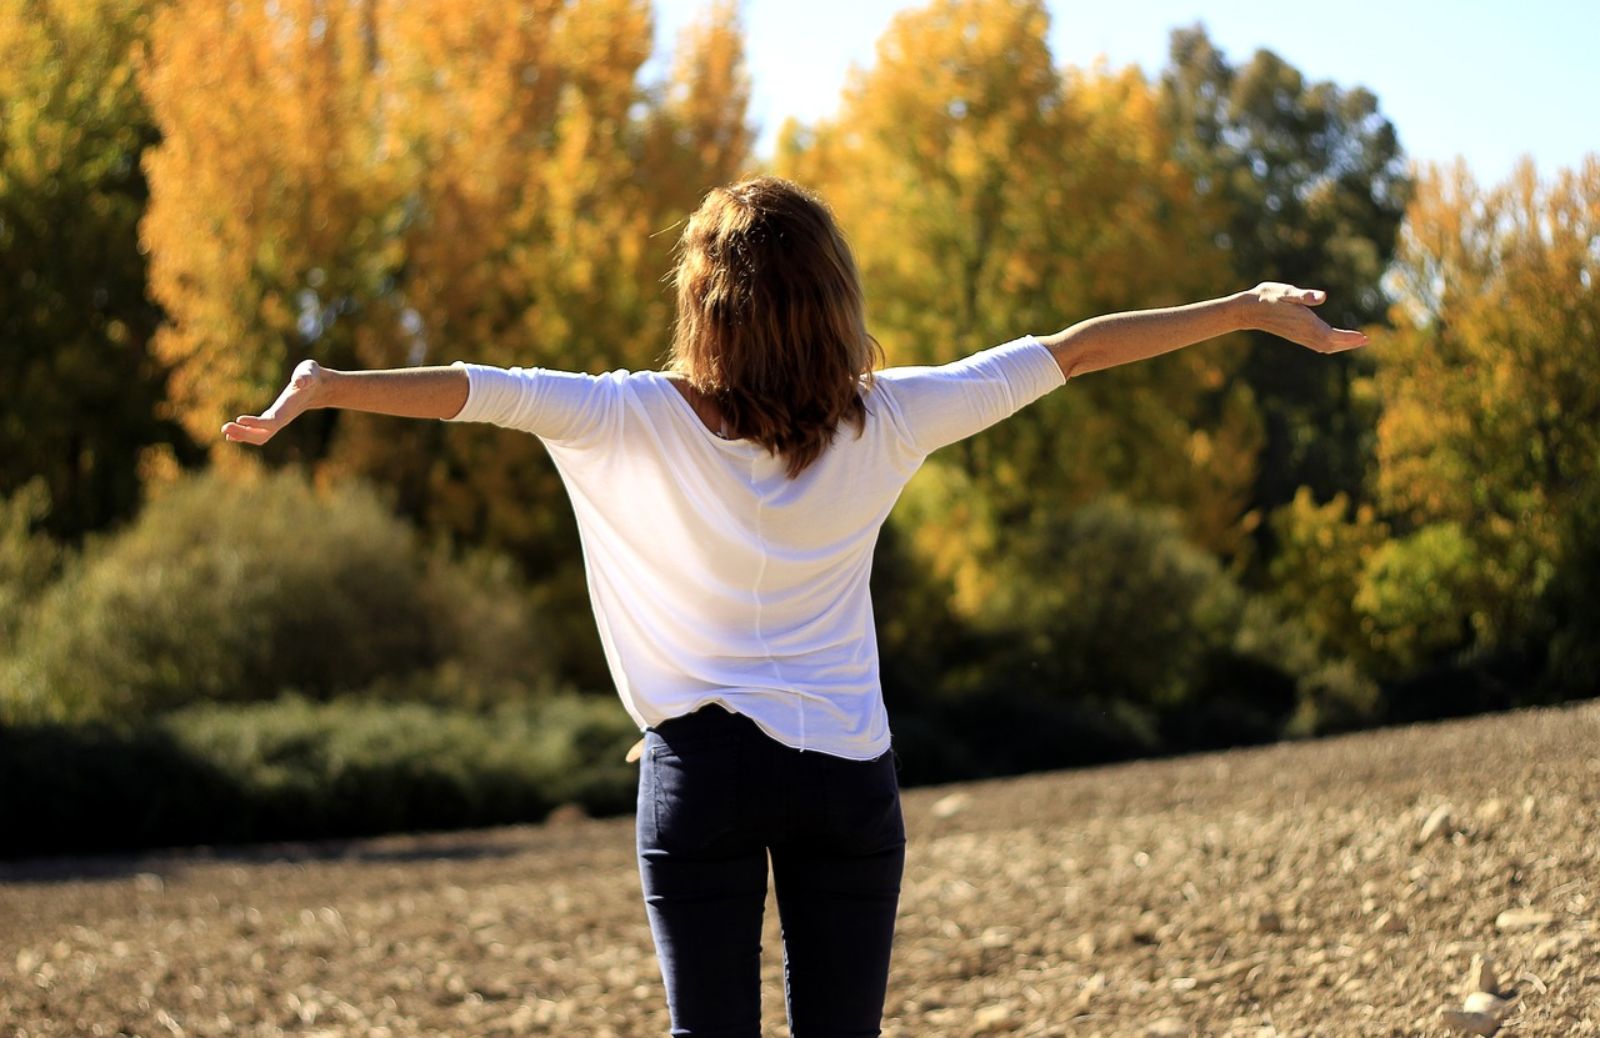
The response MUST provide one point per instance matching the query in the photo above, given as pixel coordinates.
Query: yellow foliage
(395, 182)
(1322, 554)
(988, 194)
(1491, 383)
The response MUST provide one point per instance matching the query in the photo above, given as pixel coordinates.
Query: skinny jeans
(717, 798)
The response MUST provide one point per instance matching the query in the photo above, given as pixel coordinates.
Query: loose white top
(717, 579)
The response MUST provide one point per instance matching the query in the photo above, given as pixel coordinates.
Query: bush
(225, 590)
(1317, 568)
(1108, 603)
(1108, 634)
(28, 557)
(297, 769)
(1567, 618)
(1417, 597)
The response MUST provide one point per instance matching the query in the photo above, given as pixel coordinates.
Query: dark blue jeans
(716, 797)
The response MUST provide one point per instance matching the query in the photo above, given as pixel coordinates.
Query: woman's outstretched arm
(1283, 310)
(406, 392)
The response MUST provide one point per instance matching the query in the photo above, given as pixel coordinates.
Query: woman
(728, 507)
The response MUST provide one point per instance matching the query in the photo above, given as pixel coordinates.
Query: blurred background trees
(83, 391)
(1231, 543)
(1310, 187)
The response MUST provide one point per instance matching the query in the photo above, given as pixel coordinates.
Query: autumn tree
(386, 183)
(989, 194)
(1488, 459)
(1491, 383)
(1310, 187)
(267, 221)
(81, 389)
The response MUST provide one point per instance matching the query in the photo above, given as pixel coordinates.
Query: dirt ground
(1333, 888)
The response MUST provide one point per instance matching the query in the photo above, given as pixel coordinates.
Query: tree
(987, 195)
(1490, 382)
(1488, 454)
(385, 183)
(82, 390)
(266, 224)
(1311, 187)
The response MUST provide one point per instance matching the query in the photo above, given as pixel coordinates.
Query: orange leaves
(1491, 384)
(988, 194)
(261, 178)
(383, 183)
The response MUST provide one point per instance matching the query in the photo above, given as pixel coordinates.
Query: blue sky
(1486, 81)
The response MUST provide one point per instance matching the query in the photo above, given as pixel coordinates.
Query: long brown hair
(771, 326)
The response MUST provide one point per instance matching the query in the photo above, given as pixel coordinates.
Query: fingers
(249, 429)
(1278, 292)
(1345, 339)
(1332, 340)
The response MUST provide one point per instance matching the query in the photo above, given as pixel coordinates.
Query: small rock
(1438, 822)
(1117, 935)
(1549, 948)
(1168, 1027)
(1485, 1002)
(991, 1018)
(1517, 920)
(1481, 975)
(949, 806)
(1468, 1023)
(1091, 987)
(1491, 810)
(1148, 929)
(1269, 922)
(1389, 922)
(149, 882)
(997, 937)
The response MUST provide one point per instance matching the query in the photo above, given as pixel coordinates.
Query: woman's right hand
(306, 389)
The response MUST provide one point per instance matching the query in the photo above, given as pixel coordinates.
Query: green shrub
(95, 787)
(298, 769)
(228, 591)
(1336, 696)
(29, 559)
(1144, 643)
(1566, 621)
(1109, 602)
(1418, 595)
(1320, 552)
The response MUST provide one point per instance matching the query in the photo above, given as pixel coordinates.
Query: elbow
(1074, 356)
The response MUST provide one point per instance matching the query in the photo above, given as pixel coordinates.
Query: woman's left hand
(1285, 311)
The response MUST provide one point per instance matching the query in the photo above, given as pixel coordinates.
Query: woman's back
(735, 572)
(715, 574)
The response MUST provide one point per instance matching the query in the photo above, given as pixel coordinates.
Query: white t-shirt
(717, 579)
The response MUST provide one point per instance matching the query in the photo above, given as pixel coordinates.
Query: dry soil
(1338, 887)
